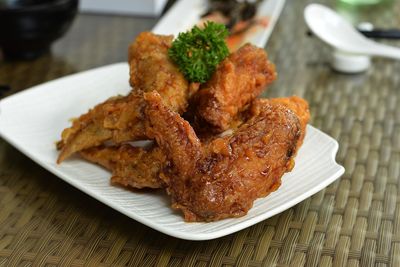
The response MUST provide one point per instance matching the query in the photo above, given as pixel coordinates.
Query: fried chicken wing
(151, 69)
(130, 166)
(238, 80)
(297, 104)
(120, 119)
(223, 178)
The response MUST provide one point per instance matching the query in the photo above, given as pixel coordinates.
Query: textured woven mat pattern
(355, 221)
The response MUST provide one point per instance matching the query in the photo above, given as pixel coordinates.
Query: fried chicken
(152, 69)
(238, 80)
(209, 176)
(297, 104)
(222, 179)
(139, 168)
(120, 119)
(130, 166)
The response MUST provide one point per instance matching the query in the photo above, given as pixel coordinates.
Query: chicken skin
(221, 179)
(130, 166)
(120, 119)
(238, 80)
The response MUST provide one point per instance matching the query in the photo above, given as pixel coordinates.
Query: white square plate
(32, 121)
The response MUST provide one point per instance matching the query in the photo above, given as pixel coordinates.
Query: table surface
(355, 221)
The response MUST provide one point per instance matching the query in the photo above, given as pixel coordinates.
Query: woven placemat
(355, 221)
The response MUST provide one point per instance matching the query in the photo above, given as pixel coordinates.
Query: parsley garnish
(198, 52)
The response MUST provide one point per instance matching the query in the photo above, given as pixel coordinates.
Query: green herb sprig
(198, 52)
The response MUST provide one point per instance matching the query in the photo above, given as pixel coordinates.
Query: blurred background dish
(148, 8)
(28, 27)
(248, 21)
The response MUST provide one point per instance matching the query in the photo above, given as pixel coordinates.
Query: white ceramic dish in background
(186, 13)
(32, 121)
(123, 7)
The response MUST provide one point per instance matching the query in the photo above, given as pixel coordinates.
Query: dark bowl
(28, 27)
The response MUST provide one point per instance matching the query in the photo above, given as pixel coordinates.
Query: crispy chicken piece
(223, 178)
(151, 69)
(146, 42)
(298, 105)
(238, 80)
(130, 166)
(120, 119)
